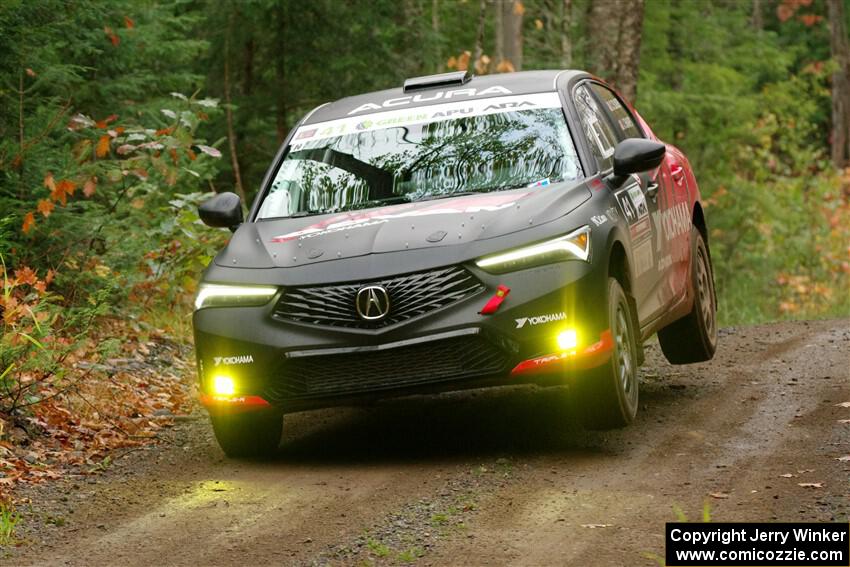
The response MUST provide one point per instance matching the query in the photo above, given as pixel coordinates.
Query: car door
(636, 198)
(667, 195)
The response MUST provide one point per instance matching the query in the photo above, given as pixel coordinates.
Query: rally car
(456, 232)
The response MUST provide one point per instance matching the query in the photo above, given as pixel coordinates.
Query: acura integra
(456, 232)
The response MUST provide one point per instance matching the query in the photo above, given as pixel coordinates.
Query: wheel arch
(619, 267)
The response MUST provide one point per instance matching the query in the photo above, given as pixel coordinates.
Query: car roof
(525, 82)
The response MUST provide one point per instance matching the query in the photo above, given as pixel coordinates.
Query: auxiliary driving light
(567, 339)
(223, 385)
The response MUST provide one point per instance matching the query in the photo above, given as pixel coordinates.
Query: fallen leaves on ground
(594, 526)
(718, 495)
(101, 408)
(810, 484)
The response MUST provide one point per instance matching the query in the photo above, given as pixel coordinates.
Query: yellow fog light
(223, 386)
(567, 339)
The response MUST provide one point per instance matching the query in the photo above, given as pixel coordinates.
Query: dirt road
(485, 477)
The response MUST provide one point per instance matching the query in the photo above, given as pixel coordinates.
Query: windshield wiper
(449, 195)
(299, 214)
(379, 202)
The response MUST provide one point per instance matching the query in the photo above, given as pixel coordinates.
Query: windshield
(422, 154)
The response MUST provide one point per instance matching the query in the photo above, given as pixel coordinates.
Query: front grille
(456, 358)
(411, 295)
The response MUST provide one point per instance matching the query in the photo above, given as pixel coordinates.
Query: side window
(596, 128)
(624, 123)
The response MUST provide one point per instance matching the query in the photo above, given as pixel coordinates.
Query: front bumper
(293, 365)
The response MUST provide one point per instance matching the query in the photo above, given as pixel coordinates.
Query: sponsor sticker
(540, 319)
(410, 116)
(231, 360)
(425, 97)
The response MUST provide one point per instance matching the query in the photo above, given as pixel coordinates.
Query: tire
(607, 397)
(693, 338)
(248, 435)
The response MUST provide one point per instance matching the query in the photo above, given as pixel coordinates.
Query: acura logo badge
(372, 303)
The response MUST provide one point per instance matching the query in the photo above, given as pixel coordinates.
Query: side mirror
(222, 211)
(635, 155)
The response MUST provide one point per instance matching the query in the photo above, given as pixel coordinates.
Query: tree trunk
(603, 32)
(675, 45)
(438, 39)
(840, 50)
(280, 74)
(499, 49)
(757, 19)
(248, 67)
(566, 28)
(512, 12)
(228, 110)
(21, 133)
(615, 29)
(628, 56)
(479, 37)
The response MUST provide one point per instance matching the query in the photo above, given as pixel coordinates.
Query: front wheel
(248, 435)
(693, 338)
(607, 397)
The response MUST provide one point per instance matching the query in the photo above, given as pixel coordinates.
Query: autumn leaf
(45, 207)
(594, 526)
(90, 186)
(62, 190)
(809, 19)
(102, 146)
(25, 275)
(784, 12)
(463, 61)
(519, 8)
(67, 186)
(49, 182)
(209, 150)
(112, 36)
(505, 66)
(29, 222)
(128, 23)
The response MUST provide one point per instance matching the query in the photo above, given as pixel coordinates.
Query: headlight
(575, 246)
(216, 295)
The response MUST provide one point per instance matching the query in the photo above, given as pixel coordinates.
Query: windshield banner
(409, 116)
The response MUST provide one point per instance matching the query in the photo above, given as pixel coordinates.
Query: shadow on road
(489, 423)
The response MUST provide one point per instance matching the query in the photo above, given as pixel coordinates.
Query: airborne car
(456, 232)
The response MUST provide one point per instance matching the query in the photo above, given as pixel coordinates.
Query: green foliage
(9, 519)
(103, 160)
(38, 336)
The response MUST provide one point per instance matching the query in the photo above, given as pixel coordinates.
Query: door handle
(678, 173)
(652, 189)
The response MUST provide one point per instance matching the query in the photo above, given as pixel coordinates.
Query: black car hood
(293, 242)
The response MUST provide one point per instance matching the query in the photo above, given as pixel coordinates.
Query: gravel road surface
(484, 477)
